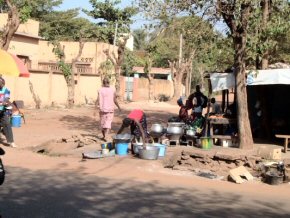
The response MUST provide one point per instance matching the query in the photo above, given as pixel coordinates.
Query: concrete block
(237, 174)
(269, 152)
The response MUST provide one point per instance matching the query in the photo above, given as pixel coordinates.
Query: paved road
(43, 193)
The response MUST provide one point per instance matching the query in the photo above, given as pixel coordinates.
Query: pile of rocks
(74, 145)
(217, 162)
(79, 140)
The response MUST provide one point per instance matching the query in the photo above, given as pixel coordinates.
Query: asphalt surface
(43, 193)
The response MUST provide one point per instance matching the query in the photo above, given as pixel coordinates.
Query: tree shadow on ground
(44, 194)
(87, 123)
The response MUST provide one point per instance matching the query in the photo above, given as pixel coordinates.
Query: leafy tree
(140, 39)
(19, 11)
(131, 60)
(270, 21)
(66, 25)
(108, 15)
(237, 15)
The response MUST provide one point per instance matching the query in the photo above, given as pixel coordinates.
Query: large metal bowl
(190, 132)
(156, 128)
(149, 153)
(174, 130)
(122, 138)
(179, 124)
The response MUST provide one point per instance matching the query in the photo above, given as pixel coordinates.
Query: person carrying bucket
(4, 116)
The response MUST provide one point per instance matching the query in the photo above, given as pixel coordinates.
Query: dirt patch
(213, 162)
(74, 145)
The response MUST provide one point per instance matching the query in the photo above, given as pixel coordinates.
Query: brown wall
(160, 87)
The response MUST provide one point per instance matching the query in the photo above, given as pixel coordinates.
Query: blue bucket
(162, 149)
(16, 121)
(122, 148)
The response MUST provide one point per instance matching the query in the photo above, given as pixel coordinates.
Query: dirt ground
(38, 185)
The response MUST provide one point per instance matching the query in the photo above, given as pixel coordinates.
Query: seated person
(138, 125)
(215, 107)
(183, 111)
(197, 124)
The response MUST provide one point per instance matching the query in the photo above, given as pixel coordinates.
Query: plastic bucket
(162, 149)
(108, 145)
(122, 148)
(16, 121)
(206, 142)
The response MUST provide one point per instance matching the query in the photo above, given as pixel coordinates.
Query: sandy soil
(38, 185)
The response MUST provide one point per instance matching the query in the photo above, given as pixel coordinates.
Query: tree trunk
(244, 128)
(177, 83)
(118, 82)
(71, 78)
(11, 27)
(239, 34)
(151, 88)
(71, 91)
(265, 10)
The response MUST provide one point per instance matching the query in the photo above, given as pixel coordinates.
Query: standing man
(4, 116)
(105, 103)
(197, 100)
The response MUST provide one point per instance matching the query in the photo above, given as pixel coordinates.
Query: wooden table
(285, 137)
(220, 121)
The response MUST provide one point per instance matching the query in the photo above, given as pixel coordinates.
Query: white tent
(221, 81)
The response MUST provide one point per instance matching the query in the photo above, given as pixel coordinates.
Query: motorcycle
(2, 169)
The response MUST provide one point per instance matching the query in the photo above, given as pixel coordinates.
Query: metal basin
(122, 138)
(175, 130)
(149, 153)
(190, 132)
(156, 128)
(136, 147)
(178, 124)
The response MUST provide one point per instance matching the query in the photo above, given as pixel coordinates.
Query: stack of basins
(175, 130)
(154, 150)
(122, 143)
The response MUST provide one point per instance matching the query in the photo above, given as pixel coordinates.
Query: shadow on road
(87, 123)
(52, 194)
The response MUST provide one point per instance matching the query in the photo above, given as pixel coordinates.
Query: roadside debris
(240, 175)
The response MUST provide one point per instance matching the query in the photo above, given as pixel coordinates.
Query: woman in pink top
(106, 103)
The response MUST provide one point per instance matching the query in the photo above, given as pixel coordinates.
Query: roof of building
(154, 70)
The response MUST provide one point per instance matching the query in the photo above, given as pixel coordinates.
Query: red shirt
(136, 114)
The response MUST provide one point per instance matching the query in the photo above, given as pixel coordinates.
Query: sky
(84, 4)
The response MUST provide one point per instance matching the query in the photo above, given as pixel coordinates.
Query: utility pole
(115, 35)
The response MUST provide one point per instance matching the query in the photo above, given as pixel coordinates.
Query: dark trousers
(7, 129)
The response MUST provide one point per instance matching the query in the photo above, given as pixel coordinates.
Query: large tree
(110, 16)
(113, 19)
(19, 11)
(236, 14)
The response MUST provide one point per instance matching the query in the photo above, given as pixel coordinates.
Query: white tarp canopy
(221, 81)
(269, 77)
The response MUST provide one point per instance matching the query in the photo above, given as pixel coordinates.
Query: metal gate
(129, 84)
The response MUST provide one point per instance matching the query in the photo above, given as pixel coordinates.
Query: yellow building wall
(51, 88)
(25, 46)
(93, 53)
(30, 27)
